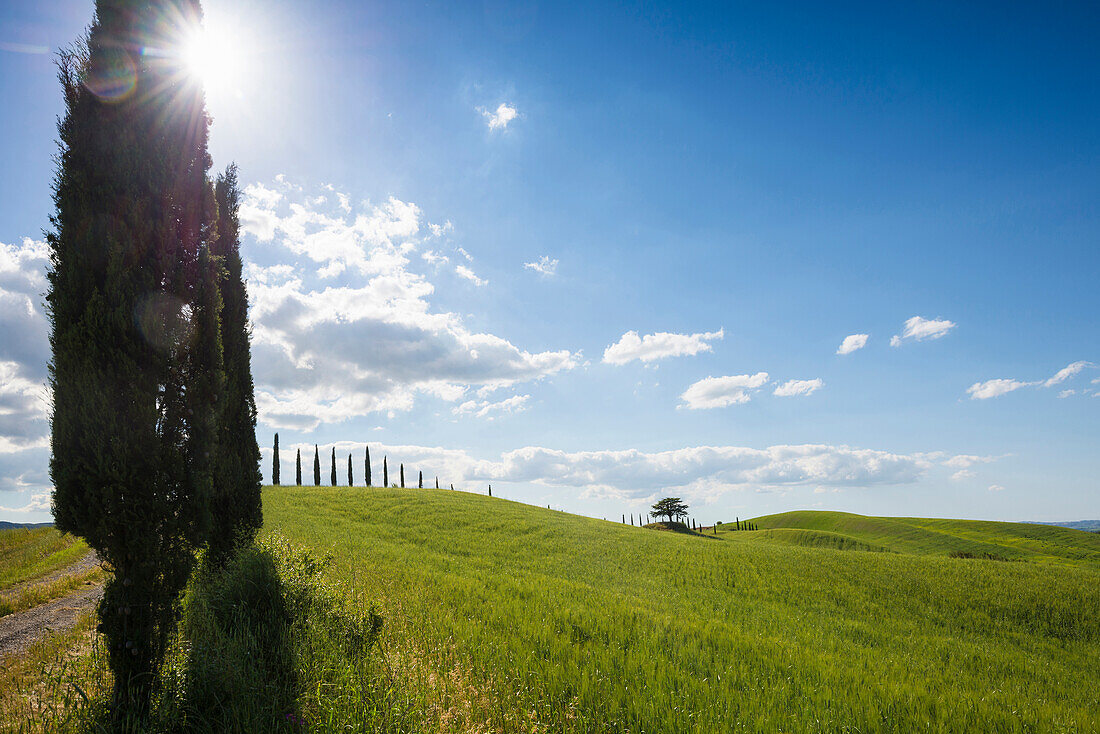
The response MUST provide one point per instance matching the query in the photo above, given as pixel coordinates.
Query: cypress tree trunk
(298, 469)
(366, 462)
(275, 462)
(332, 470)
(237, 510)
(131, 447)
(385, 473)
(402, 475)
(316, 466)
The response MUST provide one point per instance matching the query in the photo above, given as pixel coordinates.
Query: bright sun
(216, 57)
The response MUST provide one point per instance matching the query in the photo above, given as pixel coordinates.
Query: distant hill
(5, 525)
(1089, 525)
(1015, 541)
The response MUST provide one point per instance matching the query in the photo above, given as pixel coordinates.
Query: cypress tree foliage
(275, 462)
(420, 480)
(351, 479)
(366, 466)
(490, 490)
(237, 511)
(135, 368)
(437, 482)
(385, 473)
(316, 466)
(332, 465)
(402, 475)
(298, 469)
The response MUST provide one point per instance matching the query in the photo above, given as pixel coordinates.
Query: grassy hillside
(508, 617)
(27, 553)
(922, 536)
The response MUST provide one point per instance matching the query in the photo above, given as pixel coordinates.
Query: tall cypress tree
(385, 473)
(402, 475)
(275, 462)
(298, 469)
(420, 480)
(134, 370)
(351, 479)
(316, 466)
(366, 462)
(437, 482)
(332, 473)
(237, 511)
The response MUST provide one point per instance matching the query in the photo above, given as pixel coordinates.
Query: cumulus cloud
(39, 502)
(996, 488)
(634, 474)
(543, 266)
(994, 388)
(489, 410)
(791, 388)
(355, 332)
(658, 346)
(961, 474)
(853, 342)
(1066, 372)
(718, 392)
(921, 329)
(470, 275)
(498, 119)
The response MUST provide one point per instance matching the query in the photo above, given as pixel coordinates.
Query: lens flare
(113, 76)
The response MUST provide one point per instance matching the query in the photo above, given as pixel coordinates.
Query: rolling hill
(503, 616)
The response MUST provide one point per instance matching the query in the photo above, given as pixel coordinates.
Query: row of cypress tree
(154, 453)
(276, 470)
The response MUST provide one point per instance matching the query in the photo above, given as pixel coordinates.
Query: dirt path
(87, 563)
(19, 631)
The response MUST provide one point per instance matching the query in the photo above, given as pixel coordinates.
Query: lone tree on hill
(136, 369)
(385, 473)
(366, 466)
(275, 462)
(671, 507)
(402, 475)
(316, 466)
(351, 479)
(332, 468)
(298, 469)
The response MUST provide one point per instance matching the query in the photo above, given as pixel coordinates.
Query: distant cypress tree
(452, 487)
(298, 469)
(351, 479)
(332, 472)
(402, 475)
(316, 466)
(385, 473)
(437, 482)
(420, 481)
(366, 462)
(275, 462)
(490, 490)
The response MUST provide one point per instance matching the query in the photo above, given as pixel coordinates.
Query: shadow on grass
(676, 527)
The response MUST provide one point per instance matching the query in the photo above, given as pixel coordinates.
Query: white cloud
(961, 474)
(852, 342)
(434, 258)
(469, 275)
(543, 266)
(39, 502)
(368, 341)
(1067, 393)
(499, 119)
(718, 392)
(1067, 372)
(994, 388)
(798, 387)
(996, 488)
(658, 346)
(487, 409)
(965, 461)
(921, 329)
(24, 346)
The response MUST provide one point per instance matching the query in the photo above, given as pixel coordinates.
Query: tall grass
(504, 617)
(27, 553)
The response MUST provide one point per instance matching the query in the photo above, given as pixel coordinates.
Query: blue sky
(596, 254)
